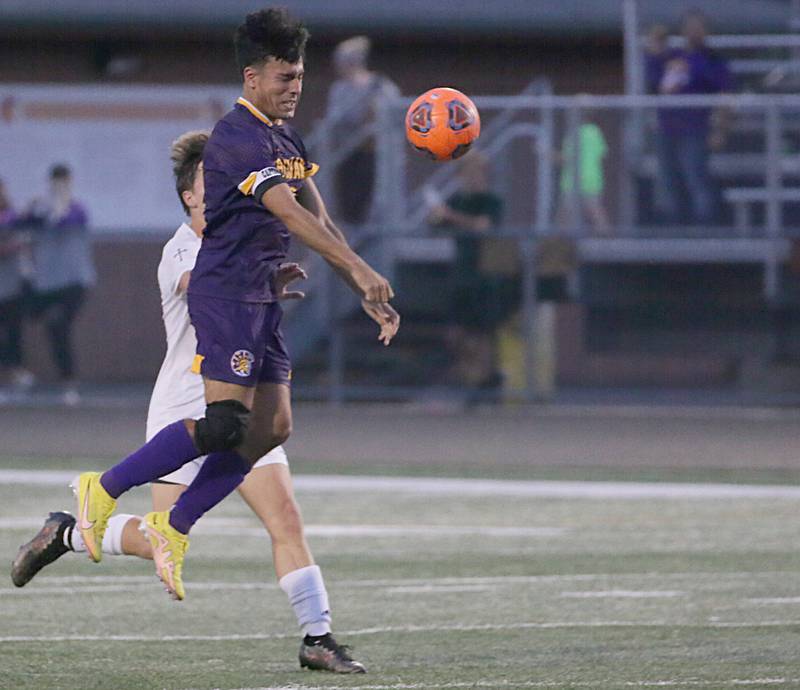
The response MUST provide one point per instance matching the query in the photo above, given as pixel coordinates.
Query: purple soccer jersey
(243, 243)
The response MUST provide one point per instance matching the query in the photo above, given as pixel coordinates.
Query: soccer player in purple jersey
(258, 194)
(178, 394)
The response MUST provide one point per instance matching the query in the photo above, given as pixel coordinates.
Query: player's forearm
(336, 232)
(318, 237)
(311, 200)
(346, 277)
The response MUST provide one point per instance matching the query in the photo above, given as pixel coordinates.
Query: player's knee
(281, 430)
(223, 428)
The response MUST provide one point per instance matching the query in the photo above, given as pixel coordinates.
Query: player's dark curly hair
(186, 154)
(271, 32)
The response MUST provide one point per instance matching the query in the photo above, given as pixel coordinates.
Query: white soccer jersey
(178, 393)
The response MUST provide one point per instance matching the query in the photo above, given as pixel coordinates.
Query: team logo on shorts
(242, 363)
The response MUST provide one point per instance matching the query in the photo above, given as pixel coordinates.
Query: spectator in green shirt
(593, 149)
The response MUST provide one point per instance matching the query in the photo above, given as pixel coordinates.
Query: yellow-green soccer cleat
(95, 506)
(169, 547)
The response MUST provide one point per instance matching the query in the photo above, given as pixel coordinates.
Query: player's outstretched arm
(365, 281)
(381, 313)
(311, 200)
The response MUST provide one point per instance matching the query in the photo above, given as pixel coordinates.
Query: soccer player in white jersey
(178, 394)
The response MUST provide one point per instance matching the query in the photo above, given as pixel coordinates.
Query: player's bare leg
(133, 541)
(59, 535)
(270, 420)
(269, 493)
(222, 390)
(217, 435)
(242, 423)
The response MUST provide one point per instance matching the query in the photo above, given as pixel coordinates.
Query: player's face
(195, 197)
(276, 88)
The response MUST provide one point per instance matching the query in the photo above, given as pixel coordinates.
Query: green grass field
(458, 590)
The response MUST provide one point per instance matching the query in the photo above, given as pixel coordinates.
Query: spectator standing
(481, 299)
(685, 135)
(63, 269)
(593, 150)
(12, 296)
(352, 103)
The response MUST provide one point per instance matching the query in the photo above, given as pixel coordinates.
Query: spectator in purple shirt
(12, 296)
(63, 269)
(685, 135)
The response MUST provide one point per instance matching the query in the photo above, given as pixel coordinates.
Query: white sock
(306, 591)
(112, 539)
(73, 539)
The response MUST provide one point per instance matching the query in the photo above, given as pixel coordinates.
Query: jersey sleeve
(176, 259)
(259, 181)
(250, 165)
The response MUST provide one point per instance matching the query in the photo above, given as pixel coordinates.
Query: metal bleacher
(760, 169)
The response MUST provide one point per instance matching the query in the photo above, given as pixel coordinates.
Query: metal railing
(546, 121)
(538, 115)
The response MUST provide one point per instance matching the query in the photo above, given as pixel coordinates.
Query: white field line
(691, 682)
(484, 487)
(92, 579)
(75, 584)
(774, 600)
(623, 594)
(557, 579)
(487, 627)
(455, 581)
(438, 589)
(149, 583)
(246, 527)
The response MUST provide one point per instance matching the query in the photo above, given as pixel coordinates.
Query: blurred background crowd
(628, 218)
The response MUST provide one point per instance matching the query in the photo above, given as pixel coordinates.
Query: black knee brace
(223, 428)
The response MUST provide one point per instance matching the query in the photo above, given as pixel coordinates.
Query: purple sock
(169, 449)
(220, 474)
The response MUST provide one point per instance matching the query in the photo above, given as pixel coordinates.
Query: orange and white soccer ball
(442, 123)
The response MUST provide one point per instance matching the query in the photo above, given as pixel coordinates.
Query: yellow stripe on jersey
(196, 364)
(254, 111)
(312, 169)
(246, 185)
(250, 183)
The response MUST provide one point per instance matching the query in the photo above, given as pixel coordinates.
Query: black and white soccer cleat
(325, 654)
(46, 547)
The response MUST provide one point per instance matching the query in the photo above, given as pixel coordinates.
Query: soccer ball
(442, 123)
